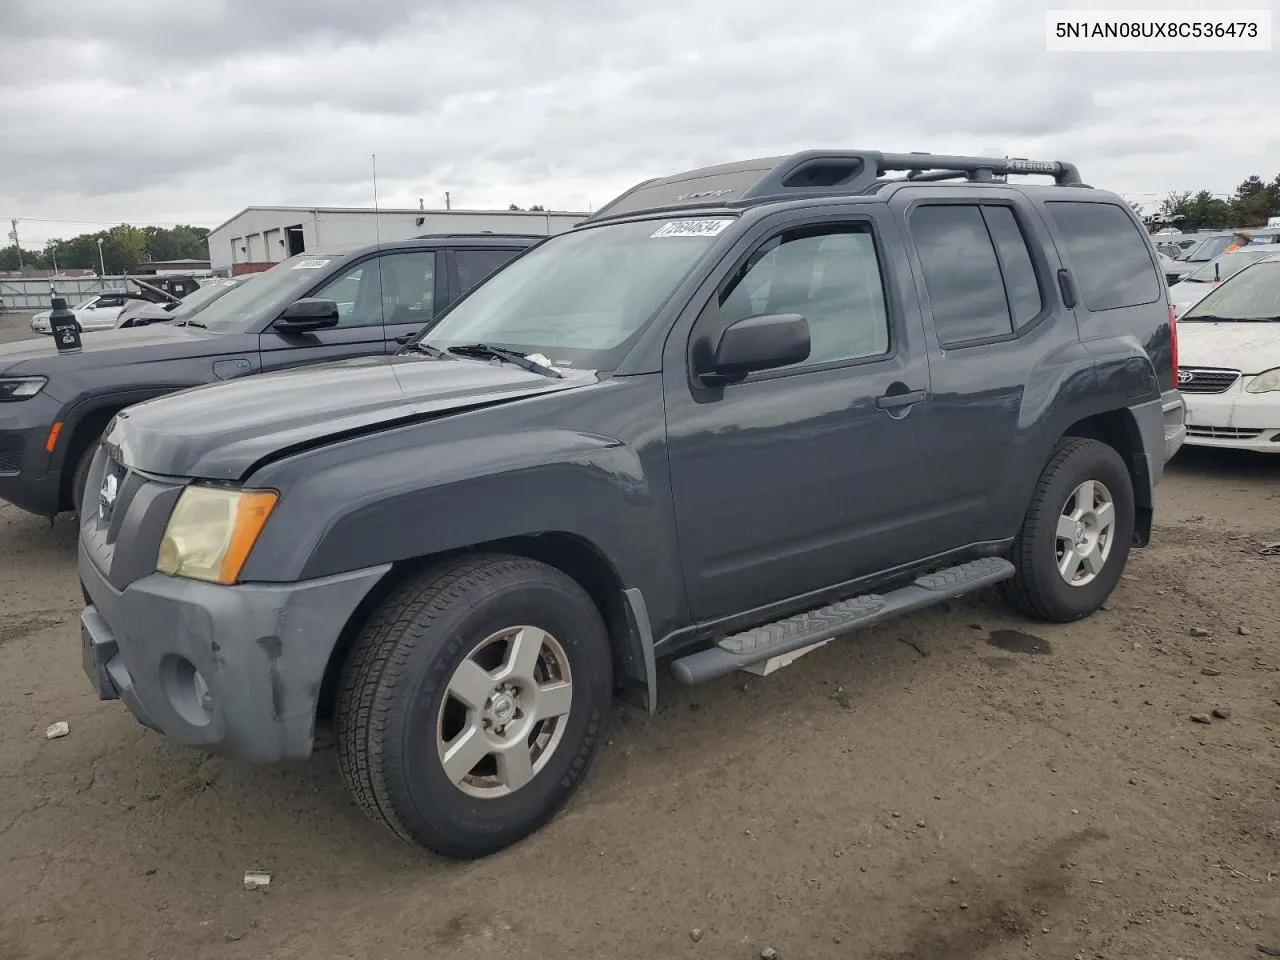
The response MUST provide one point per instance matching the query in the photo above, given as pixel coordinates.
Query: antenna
(377, 217)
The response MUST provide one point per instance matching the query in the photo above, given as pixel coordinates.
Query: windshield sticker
(309, 264)
(691, 228)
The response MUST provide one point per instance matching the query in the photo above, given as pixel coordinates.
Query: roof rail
(815, 173)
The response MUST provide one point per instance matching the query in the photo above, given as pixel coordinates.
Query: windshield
(240, 307)
(1208, 249)
(84, 304)
(1252, 294)
(203, 296)
(581, 298)
(1228, 265)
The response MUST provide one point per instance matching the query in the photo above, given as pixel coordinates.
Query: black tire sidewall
(435, 811)
(80, 477)
(1093, 461)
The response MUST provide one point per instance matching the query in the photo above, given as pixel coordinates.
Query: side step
(814, 627)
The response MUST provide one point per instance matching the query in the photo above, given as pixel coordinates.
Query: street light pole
(102, 264)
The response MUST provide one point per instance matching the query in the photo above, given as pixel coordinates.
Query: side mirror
(764, 342)
(308, 314)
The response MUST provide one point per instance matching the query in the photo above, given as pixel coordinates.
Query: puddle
(1015, 641)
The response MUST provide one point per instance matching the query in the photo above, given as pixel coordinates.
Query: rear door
(997, 333)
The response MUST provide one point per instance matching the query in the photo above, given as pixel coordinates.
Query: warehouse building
(258, 237)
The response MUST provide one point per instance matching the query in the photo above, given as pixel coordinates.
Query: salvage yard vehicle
(1196, 285)
(143, 314)
(54, 406)
(735, 414)
(98, 312)
(1231, 379)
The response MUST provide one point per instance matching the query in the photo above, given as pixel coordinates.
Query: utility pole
(13, 235)
(447, 203)
(101, 262)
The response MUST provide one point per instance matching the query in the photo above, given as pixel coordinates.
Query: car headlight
(212, 530)
(20, 388)
(1265, 382)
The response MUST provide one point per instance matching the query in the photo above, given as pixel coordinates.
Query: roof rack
(817, 173)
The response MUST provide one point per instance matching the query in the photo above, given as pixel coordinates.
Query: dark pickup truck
(736, 413)
(310, 308)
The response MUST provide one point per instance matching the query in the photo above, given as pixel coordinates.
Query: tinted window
(408, 286)
(1015, 263)
(476, 265)
(355, 291)
(831, 278)
(961, 274)
(1108, 254)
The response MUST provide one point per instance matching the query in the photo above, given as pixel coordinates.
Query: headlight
(212, 530)
(1265, 382)
(20, 388)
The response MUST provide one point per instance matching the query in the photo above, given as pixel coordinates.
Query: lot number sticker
(691, 228)
(309, 264)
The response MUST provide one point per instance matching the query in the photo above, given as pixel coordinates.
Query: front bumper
(234, 670)
(1234, 419)
(27, 479)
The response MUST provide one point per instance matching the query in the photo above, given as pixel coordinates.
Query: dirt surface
(960, 784)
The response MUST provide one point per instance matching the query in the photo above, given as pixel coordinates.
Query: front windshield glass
(582, 298)
(1208, 249)
(84, 304)
(204, 295)
(1228, 265)
(1252, 294)
(237, 310)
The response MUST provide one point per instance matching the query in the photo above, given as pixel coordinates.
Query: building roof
(417, 211)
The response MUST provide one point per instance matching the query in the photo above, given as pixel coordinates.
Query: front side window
(1108, 254)
(357, 292)
(408, 286)
(831, 277)
(581, 298)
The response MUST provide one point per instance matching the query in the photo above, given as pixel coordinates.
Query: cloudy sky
(155, 111)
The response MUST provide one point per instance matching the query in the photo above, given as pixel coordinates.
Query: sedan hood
(224, 430)
(1248, 347)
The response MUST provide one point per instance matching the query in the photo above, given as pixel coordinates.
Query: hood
(222, 431)
(111, 347)
(1187, 294)
(1249, 347)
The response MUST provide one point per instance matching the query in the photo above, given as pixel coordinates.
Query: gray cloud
(127, 109)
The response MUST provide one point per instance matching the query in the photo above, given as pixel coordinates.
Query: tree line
(1252, 203)
(124, 249)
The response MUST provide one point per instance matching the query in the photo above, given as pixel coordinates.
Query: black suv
(736, 413)
(310, 308)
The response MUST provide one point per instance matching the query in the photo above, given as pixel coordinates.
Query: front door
(809, 476)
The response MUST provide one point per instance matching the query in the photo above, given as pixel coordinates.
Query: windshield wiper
(1214, 318)
(417, 346)
(510, 356)
(192, 323)
(1192, 280)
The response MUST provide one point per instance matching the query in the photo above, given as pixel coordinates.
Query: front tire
(80, 479)
(473, 703)
(1076, 536)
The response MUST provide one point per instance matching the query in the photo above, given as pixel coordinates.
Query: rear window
(1108, 255)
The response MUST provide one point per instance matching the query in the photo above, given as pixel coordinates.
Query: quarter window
(831, 277)
(1108, 254)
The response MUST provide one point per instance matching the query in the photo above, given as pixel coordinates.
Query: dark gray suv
(738, 412)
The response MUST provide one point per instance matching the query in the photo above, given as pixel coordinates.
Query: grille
(1202, 380)
(10, 456)
(1223, 433)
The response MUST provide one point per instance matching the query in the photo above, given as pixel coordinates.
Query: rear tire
(448, 734)
(1076, 536)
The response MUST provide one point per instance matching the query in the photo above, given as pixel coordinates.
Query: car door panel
(798, 479)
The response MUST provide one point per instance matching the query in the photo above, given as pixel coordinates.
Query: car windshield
(1252, 294)
(237, 310)
(581, 298)
(1229, 264)
(84, 304)
(1208, 248)
(203, 296)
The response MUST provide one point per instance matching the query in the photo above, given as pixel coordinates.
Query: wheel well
(1118, 430)
(572, 555)
(87, 430)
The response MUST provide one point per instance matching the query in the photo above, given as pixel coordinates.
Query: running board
(815, 627)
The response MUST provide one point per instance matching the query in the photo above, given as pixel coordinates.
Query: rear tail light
(1173, 340)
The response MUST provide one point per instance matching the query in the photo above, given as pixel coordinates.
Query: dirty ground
(961, 784)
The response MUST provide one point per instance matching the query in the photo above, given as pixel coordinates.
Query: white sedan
(97, 313)
(1229, 362)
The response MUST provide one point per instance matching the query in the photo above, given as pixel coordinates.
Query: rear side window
(475, 266)
(1108, 254)
(1015, 264)
(961, 274)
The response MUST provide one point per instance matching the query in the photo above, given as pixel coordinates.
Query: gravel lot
(961, 784)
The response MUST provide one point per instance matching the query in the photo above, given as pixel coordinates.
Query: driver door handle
(896, 401)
